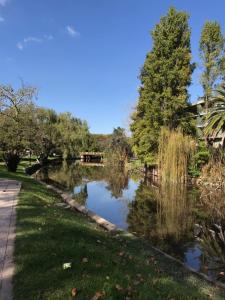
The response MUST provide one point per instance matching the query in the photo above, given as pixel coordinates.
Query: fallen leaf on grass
(98, 295)
(74, 292)
(85, 260)
(67, 265)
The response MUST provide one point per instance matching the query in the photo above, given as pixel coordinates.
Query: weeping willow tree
(175, 151)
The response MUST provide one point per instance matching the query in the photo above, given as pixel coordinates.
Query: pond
(172, 218)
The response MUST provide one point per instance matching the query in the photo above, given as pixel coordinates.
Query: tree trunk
(12, 160)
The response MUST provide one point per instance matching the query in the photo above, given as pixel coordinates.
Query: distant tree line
(27, 128)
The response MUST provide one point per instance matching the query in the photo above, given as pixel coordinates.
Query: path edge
(6, 284)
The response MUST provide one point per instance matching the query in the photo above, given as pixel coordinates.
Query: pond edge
(113, 229)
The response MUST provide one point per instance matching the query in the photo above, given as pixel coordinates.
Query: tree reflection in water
(72, 175)
(117, 180)
(81, 194)
(163, 215)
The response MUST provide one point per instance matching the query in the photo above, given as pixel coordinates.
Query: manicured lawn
(118, 267)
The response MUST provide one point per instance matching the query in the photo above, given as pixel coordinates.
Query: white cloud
(3, 2)
(71, 31)
(20, 46)
(32, 39)
(2, 19)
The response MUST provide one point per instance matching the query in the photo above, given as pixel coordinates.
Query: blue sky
(84, 56)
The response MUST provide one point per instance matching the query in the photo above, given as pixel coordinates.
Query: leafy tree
(74, 135)
(62, 134)
(119, 147)
(47, 136)
(14, 122)
(212, 56)
(165, 77)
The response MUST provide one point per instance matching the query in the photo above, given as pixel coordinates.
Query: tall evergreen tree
(212, 56)
(165, 77)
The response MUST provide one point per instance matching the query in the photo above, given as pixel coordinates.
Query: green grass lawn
(118, 267)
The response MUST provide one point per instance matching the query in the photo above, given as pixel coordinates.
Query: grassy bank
(117, 267)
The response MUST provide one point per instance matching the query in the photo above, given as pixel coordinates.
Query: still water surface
(170, 217)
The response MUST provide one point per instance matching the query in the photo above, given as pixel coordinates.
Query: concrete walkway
(9, 189)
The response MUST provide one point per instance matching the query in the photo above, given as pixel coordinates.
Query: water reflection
(80, 194)
(70, 175)
(117, 180)
(164, 215)
(171, 217)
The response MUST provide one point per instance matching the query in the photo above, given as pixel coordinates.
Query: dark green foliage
(1, 155)
(202, 154)
(202, 158)
(199, 159)
(165, 77)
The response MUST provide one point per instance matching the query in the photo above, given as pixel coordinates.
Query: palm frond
(215, 119)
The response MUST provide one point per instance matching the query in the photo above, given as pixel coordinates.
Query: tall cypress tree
(165, 77)
(212, 55)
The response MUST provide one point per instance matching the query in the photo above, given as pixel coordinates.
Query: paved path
(9, 189)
